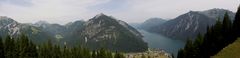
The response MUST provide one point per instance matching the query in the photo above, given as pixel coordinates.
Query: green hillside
(231, 51)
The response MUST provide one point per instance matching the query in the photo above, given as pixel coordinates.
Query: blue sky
(132, 11)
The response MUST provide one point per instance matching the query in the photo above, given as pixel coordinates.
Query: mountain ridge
(189, 24)
(101, 31)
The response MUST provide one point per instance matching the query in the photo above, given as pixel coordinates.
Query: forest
(22, 47)
(218, 36)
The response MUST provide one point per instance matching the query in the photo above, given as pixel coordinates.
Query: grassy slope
(231, 51)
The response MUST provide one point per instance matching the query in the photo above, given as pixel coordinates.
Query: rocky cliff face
(14, 29)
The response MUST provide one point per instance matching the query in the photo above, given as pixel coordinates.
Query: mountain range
(101, 31)
(190, 24)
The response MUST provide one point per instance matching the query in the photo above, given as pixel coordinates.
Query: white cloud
(144, 9)
(64, 11)
(54, 11)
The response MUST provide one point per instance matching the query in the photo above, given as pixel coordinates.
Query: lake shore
(151, 53)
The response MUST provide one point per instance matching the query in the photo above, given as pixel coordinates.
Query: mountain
(190, 24)
(101, 31)
(52, 29)
(55, 30)
(135, 25)
(146, 25)
(62, 33)
(8, 26)
(216, 12)
(104, 31)
(73, 28)
(14, 29)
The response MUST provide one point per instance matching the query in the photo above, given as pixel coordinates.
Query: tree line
(215, 39)
(22, 47)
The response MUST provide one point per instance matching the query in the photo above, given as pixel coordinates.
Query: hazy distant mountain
(10, 27)
(135, 25)
(107, 32)
(190, 24)
(152, 22)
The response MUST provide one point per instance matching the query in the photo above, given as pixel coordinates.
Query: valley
(119, 29)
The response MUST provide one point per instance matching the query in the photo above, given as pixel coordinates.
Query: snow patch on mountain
(98, 15)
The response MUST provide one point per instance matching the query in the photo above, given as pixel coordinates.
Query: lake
(159, 41)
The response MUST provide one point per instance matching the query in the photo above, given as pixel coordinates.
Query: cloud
(141, 10)
(54, 11)
(17, 2)
(64, 11)
(110, 6)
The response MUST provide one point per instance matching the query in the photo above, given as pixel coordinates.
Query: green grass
(58, 37)
(34, 30)
(231, 51)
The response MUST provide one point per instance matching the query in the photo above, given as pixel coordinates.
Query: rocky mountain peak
(101, 19)
(41, 24)
(217, 12)
(6, 20)
(100, 16)
(106, 29)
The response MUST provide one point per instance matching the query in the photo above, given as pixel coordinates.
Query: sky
(131, 11)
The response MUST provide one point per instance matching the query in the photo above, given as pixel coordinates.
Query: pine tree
(236, 24)
(9, 48)
(118, 55)
(197, 46)
(46, 50)
(217, 37)
(25, 48)
(23, 44)
(227, 24)
(1, 48)
(94, 54)
(33, 53)
(181, 54)
(56, 52)
(227, 31)
(189, 49)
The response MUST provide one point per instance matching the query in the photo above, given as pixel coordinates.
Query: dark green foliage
(10, 48)
(180, 54)
(118, 55)
(94, 55)
(236, 23)
(1, 49)
(24, 48)
(172, 56)
(217, 37)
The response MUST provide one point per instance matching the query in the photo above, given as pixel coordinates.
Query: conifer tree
(1, 48)
(236, 24)
(215, 39)
(9, 47)
(94, 54)
(180, 54)
(118, 55)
